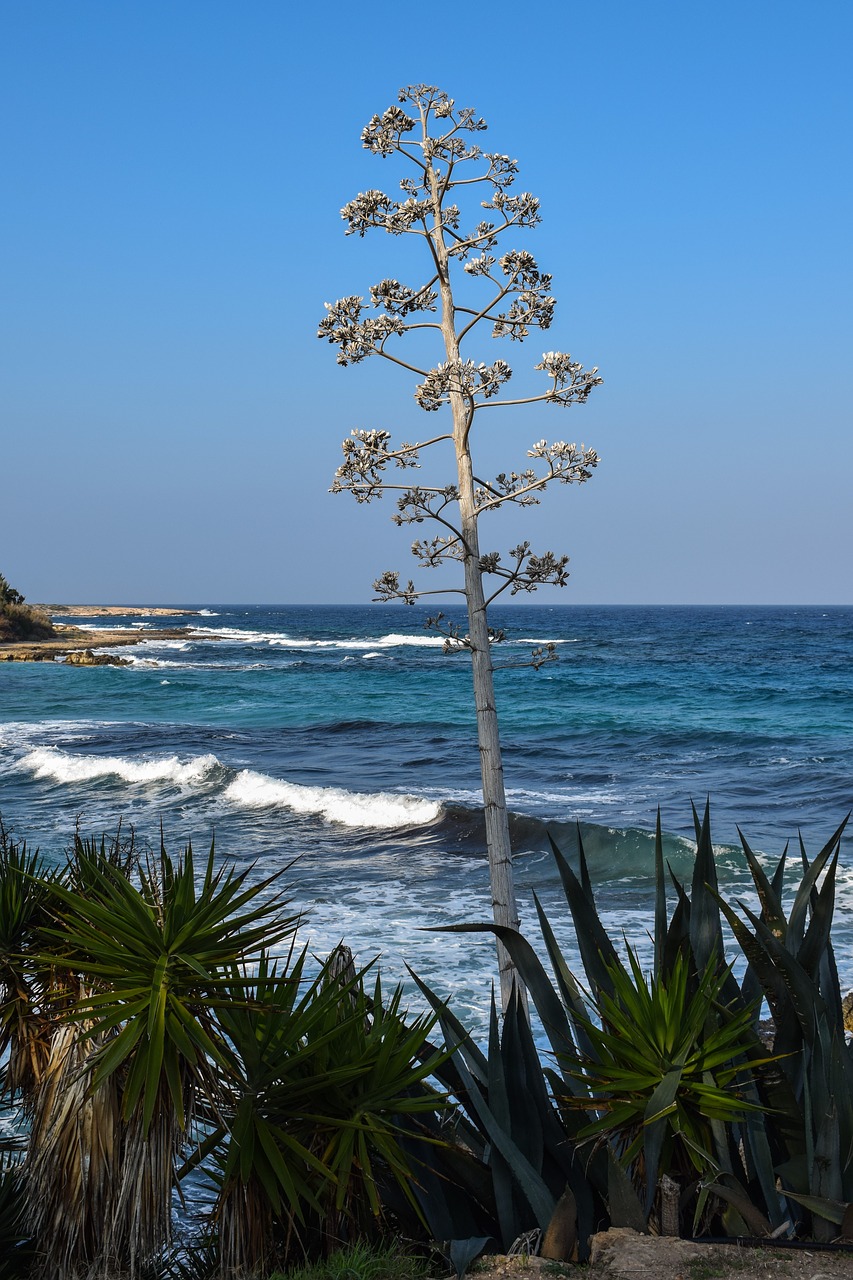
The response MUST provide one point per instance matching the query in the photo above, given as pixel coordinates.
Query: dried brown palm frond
(75, 1148)
(140, 1223)
(245, 1230)
(28, 1035)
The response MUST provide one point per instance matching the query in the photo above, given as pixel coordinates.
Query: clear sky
(172, 175)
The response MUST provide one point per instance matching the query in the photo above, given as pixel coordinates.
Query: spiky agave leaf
(666, 1064)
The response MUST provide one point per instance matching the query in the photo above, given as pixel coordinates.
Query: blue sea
(338, 745)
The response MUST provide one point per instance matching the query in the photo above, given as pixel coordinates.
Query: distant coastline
(113, 611)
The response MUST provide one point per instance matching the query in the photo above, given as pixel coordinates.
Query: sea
(336, 745)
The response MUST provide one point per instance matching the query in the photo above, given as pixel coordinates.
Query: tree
(508, 295)
(8, 595)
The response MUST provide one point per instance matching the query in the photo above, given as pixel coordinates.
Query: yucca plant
(150, 960)
(321, 1084)
(75, 1154)
(25, 1023)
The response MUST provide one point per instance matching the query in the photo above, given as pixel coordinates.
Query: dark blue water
(345, 738)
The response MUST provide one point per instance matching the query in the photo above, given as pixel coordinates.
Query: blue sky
(173, 175)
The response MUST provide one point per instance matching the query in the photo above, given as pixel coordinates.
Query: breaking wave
(62, 766)
(379, 810)
(245, 789)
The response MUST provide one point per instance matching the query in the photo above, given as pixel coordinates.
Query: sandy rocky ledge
(79, 647)
(623, 1253)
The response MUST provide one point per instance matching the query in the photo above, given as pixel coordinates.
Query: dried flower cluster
(517, 299)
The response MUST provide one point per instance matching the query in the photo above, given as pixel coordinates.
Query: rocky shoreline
(79, 646)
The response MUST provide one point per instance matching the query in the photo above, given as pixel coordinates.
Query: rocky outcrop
(70, 640)
(86, 658)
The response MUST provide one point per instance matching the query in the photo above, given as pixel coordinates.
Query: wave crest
(378, 810)
(62, 766)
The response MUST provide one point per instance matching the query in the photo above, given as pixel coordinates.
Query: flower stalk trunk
(504, 906)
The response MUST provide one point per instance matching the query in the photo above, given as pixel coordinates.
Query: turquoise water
(343, 737)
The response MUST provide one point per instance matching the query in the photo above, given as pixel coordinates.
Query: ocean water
(338, 745)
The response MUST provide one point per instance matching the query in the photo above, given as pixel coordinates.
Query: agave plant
(792, 963)
(689, 968)
(763, 1136)
(663, 1065)
(513, 1166)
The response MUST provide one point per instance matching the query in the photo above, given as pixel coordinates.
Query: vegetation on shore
(148, 1035)
(20, 621)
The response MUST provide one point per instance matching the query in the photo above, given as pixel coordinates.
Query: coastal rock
(621, 1250)
(21, 653)
(86, 658)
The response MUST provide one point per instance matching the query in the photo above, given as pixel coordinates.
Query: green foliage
(791, 961)
(8, 594)
(155, 956)
(521, 1164)
(363, 1261)
(19, 621)
(169, 1037)
(146, 1026)
(666, 1074)
(25, 887)
(322, 1081)
(664, 1060)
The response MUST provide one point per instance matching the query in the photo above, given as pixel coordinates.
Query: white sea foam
(63, 766)
(235, 634)
(392, 641)
(175, 646)
(395, 641)
(245, 635)
(568, 797)
(136, 660)
(111, 626)
(552, 640)
(380, 810)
